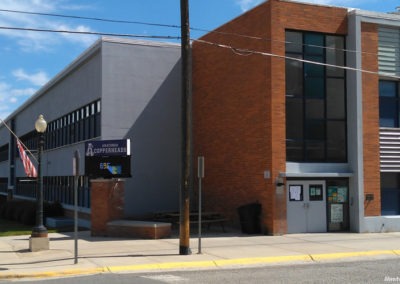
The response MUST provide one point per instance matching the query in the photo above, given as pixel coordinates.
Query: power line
(238, 51)
(247, 52)
(178, 27)
(88, 33)
(90, 18)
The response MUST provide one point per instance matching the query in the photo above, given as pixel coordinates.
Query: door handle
(306, 205)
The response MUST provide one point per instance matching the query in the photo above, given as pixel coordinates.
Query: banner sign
(103, 148)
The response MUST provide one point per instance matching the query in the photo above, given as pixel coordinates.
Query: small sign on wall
(295, 193)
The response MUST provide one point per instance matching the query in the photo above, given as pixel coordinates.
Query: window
(315, 98)
(79, 125)
(390, 194)
(4, 153)
(388, 104)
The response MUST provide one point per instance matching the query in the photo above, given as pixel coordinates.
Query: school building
(295, 108)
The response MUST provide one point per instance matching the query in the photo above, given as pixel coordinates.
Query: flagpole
(23, 145)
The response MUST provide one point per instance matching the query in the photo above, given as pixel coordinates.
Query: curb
(224, 263)
(49, 274)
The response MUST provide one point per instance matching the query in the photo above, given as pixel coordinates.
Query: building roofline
(315, 4)
(372, 16)
(269, 1)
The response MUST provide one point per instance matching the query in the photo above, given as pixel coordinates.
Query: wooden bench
(221, 221)
(208, 218)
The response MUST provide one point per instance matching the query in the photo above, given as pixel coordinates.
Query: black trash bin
(249, 216)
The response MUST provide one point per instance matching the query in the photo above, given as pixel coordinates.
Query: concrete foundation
(39, 244)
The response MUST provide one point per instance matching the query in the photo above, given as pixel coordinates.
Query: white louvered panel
(389, 144)
(389, 51)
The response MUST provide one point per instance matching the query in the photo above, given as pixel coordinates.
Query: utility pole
(184, 220)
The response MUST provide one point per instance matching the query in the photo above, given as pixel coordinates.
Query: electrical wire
(246, 52)
(88, 33)
(90, 18)
(238, 51)
(178, 26)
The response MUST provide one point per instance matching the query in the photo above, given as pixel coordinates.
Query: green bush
(25, 211)
(54, 209)
(3, 209)
(10, 209)
(28, 216)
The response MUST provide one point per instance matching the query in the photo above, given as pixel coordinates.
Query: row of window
(79, 125)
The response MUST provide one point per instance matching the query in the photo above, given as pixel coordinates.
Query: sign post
(75, 162)
(200, 175)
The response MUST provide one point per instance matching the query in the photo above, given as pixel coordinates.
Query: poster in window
(295, 193)
(342, 194)
(332, 194)
(336, 213)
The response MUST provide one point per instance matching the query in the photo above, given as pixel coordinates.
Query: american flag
(30, 169)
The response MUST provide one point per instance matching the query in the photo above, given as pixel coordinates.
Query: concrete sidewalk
(219, 250)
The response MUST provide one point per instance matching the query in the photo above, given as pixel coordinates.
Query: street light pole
(40, 230)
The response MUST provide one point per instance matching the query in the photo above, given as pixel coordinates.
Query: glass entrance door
(338, 205)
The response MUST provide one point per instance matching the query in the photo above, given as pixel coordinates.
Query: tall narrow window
(388, 104)
(315, 98)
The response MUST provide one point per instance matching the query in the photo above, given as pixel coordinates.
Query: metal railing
(57, 189)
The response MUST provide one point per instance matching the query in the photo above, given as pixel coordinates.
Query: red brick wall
(370, 93)
(107, 204)
(239, 106)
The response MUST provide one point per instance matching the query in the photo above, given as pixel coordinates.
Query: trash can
(249, 216)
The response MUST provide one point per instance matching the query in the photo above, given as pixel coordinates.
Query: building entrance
(306, 206)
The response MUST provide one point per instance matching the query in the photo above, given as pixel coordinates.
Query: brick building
(295, 107)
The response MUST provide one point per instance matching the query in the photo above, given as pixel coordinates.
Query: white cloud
(39, 41)
(10, 97)
(247, 4)
(38, 79)
(86, 40)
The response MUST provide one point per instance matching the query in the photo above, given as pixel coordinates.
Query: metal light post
(40, 231)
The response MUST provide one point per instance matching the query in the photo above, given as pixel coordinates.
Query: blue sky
(30, 59)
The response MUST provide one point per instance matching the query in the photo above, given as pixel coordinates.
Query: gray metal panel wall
(141, 101)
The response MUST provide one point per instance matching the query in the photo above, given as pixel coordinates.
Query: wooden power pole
(184, 222)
